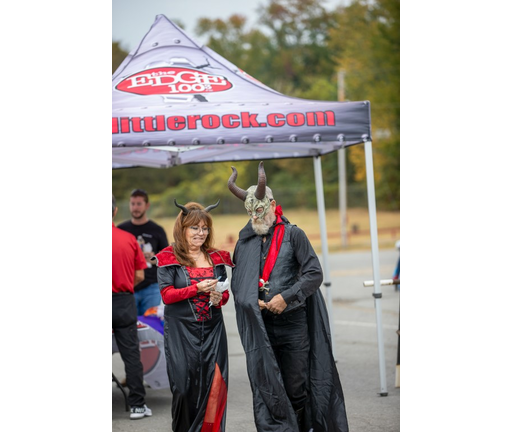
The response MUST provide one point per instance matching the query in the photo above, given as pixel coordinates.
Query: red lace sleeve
(172, 295)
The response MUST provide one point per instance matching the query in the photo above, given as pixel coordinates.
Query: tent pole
(317, 163)
(342, 173)
(377, 294)
(342, 178)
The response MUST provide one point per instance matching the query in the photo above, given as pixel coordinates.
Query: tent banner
(231, 123)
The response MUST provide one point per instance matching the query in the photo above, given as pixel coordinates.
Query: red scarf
(273, 252)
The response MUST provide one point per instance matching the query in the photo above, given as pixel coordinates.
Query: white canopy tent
(176, 102)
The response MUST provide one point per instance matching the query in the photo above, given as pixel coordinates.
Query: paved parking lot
(355, 346)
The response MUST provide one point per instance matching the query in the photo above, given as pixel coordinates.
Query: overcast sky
(132, 19)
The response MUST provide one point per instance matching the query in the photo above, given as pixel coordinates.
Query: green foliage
(241, 46)
(297, 49)
(367, 39)
(298, 34)
(321, 88)
(118, 55)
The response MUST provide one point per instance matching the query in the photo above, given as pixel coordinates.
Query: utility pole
(342, 175)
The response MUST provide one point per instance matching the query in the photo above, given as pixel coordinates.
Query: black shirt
(151, 236)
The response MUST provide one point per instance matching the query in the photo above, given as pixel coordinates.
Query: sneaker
(140, 412)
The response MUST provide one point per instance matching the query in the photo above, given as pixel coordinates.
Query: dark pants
(288, 334)
(124, 325)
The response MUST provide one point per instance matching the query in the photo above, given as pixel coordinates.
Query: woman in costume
(193, 284)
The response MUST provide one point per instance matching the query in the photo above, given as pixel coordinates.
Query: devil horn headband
(186, 210)
(211, 207)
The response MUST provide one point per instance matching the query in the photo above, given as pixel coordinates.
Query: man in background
(128, 264)
(152, 239)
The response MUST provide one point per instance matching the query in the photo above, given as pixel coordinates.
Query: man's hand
(277, 304)
(262, 304)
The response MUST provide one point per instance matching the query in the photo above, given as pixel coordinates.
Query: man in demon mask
(282, 320)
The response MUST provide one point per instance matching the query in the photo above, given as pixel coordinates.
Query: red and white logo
(173, 81)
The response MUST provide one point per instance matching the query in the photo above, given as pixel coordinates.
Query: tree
(118, 55)
(289, 51)
(298, 35)
(297, 50)
(367, 40)
(235, 42)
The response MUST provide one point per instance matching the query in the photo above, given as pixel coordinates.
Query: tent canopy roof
(176, 102)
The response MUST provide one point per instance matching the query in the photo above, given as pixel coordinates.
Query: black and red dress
(196, 347)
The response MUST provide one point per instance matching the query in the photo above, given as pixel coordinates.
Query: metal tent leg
(319, 186)
(377, 293)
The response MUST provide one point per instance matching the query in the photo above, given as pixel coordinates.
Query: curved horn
(183, 208)
(235, 190)
(211, 207)
(262, 182)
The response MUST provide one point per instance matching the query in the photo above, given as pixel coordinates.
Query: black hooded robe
(272, 408)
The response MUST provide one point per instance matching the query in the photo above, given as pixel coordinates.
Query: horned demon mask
(255, 197)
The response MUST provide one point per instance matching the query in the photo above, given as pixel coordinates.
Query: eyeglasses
(196, 229)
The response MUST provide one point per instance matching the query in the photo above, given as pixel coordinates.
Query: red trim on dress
(166, 257)
(216, 403)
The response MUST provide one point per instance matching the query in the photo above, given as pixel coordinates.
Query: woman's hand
(207, 285)
(215, 298)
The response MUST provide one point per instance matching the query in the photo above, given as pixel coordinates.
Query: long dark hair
(196, 213)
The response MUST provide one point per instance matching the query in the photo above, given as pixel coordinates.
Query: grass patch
(226, 228)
